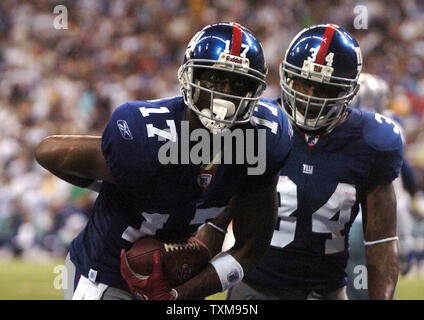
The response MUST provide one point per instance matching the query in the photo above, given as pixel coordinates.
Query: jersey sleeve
(125, 147)
(383, 135)
(409, 178)
(387, 166)
(275, 135)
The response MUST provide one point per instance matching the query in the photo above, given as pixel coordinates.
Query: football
(181, 260)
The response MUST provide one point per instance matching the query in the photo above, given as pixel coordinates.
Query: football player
(222, 78)
(341, 158)
(374, 96)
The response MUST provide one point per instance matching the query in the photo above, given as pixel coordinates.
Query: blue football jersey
(150, 198)
(320, 188)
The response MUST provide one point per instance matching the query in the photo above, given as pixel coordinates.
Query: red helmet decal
(325, 43)
(236, 43)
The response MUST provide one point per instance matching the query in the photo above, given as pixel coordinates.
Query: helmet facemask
(222, 110)
(312, 113)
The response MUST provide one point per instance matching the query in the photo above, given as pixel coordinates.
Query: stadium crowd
(68, 81)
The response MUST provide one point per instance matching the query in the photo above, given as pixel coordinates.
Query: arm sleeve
(125, 147)
(384, 138)
(408, 178)
(387, 166)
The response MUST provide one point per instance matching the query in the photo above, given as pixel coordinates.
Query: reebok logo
(124, 129)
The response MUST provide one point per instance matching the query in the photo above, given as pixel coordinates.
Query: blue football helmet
(326, 54)
(223, 49)
(374, 94)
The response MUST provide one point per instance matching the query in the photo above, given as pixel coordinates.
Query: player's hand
(152, 287)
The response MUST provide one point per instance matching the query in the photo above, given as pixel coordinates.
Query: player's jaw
(225, 97)
(313, 103)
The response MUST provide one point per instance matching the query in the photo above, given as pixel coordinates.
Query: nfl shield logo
(311, 140)
(203, 179)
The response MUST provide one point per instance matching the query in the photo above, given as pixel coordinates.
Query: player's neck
(193, 121)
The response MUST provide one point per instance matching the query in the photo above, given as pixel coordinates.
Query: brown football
(181, 260)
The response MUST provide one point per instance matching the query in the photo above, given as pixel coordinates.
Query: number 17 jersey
(169, 200)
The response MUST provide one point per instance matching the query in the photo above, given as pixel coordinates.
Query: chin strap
(335, 124)
(221, 110)
(329, 129)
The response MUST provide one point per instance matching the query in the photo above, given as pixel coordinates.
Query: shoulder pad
(268, 113)
(130, 140)
(170, 102)
(380, 132)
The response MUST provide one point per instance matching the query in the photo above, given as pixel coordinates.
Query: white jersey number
(287, 226)
(379, 118)
(272, 125)
(154, 221)
(169, 133)
(330, 219)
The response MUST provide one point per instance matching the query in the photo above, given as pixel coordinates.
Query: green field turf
(23, 280)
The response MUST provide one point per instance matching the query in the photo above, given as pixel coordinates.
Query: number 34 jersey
(151, 197)
(320, 188)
